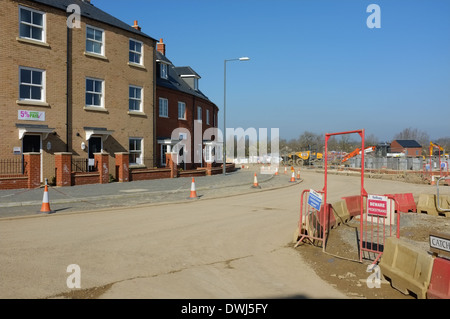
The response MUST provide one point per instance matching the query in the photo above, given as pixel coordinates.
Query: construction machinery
(303, 158)
(357, 151)
(439, 152)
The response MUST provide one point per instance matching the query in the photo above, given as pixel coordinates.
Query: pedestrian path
(139, 192)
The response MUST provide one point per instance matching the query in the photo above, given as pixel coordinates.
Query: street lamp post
(224, 151)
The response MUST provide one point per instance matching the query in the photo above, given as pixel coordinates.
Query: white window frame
(136, 99)
(140, 158)
(42, 85)
(207, 117)
(163, 107)
(141, 53)
(181, 110)
(102, 53)
(196, 84)
(163, 71)
(199, 113)
(43, 27)
(102, 93)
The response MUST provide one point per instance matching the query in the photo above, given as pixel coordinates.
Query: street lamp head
(245, 58)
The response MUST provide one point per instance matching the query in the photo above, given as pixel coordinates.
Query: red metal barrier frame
(320, 216)
(363, 191)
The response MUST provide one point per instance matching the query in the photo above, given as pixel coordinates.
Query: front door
(165, 148)
(32, 144)
(95, 146)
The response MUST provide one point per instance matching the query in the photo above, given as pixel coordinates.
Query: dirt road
(233, 247)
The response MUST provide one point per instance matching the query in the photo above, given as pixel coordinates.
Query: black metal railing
(12, 166)
(81, 165)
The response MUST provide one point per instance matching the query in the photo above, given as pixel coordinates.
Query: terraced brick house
(184, 115)
(82, 89)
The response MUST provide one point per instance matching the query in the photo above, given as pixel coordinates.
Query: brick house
(81, 90)
(182, 112)
(410, 148)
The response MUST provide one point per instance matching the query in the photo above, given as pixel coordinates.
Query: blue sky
(315, 65)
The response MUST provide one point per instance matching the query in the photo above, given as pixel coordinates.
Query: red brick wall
(14, 182)
(85, 178)
(122, 167)
(31, 177)
(397, 148)
(165, 126)
(63, 166)
(147, 174)
(102, 163)
(33, 169)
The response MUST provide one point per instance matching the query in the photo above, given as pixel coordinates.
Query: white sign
(17, 150)
(377, 205)
(31, 115)
(439, 243)
(379, 209)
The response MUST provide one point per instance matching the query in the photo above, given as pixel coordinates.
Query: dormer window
(163, 71)
(196, 84)
(189, 76)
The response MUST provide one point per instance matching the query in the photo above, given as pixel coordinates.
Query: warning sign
(314, 199)
(379, 210)
(377, 205)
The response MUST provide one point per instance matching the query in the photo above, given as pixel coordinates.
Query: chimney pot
(161, 47)
(136, 26)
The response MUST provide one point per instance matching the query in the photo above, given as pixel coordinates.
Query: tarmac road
(235, 246)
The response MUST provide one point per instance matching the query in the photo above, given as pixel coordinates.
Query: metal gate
(377, 223)
(314, 224)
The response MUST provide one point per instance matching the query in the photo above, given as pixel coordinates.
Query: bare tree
(444, 142)
(311, 141)
(414, 134)
(371, 140)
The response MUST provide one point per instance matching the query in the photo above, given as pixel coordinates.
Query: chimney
(136, 26)
(161, 47)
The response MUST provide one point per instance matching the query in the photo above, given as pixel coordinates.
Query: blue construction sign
(314, 199)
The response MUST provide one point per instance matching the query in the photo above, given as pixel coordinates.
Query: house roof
(88, 10)
(186, 71)
(174, 80)
(408, 143)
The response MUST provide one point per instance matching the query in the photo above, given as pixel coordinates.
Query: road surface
(231, 247)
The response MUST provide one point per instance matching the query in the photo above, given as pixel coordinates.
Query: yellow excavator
(440, 151)
(303, 158)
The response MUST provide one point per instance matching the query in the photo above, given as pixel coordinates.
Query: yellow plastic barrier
(428, 204)
(407, 267)
(341, 213)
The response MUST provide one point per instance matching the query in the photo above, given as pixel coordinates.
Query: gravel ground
(339, 264)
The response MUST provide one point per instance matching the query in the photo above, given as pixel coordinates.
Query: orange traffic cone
(298, 174)
(193, 192)
(276, 171)
(285, 170)
(45, 208)
(292, 178)
(255, 182)
(432, 180)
